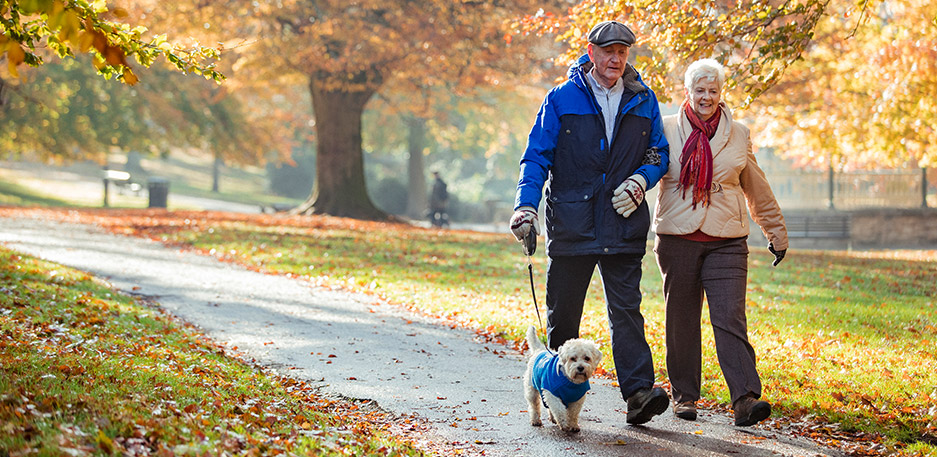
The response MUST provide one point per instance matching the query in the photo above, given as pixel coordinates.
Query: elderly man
(598, 141)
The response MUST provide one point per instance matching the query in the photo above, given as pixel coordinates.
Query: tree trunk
(339, 188)
(216, 172)
(416, 176)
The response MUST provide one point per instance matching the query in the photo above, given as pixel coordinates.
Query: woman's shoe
(750, 411)
(685, 410)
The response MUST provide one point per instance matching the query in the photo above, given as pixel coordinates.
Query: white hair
(708, 69)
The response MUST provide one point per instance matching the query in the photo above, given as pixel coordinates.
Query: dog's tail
(533, 341)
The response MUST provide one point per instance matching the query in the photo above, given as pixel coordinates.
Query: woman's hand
(778, 255)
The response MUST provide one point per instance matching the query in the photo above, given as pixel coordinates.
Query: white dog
(560, 380)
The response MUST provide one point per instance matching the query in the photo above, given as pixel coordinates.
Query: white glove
(629, 195)
(523, 221)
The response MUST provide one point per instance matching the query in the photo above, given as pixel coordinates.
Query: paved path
(351, 345)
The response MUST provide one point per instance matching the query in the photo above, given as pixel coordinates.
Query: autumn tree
(31, 30)
(486, 94)
(473, 138)
(415, 49)
(47, 120)
(61, 111)
(863, 93)
(349, 51)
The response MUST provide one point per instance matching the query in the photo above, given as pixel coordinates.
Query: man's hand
(629, 195)
(778, 255)
(523, 221)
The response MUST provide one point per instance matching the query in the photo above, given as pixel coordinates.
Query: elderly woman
(701, 244)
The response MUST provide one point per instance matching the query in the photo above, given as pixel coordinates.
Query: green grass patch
(89, 371)
(17, 195)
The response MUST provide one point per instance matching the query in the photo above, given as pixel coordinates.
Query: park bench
(832, 225)
(276, 208)
(129, 187)
(123, 181)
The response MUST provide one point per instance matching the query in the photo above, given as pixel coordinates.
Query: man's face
(609, 62)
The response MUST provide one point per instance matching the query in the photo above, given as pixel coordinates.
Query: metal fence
(854, 190)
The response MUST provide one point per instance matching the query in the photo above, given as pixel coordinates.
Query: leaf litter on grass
(88, 371)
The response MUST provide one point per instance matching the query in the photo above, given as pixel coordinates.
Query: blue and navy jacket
(568, 150)
(547, 376)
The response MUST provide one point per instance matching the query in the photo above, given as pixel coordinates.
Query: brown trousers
(720, 270)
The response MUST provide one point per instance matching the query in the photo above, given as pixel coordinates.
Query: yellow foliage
(85, 40)
(862, 95)
(129, 78)
(15, 56)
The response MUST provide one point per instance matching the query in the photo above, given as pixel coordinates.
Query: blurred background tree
(863, 94)
(347, 52)
(357, 102)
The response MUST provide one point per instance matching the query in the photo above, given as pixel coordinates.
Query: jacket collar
(718, 142)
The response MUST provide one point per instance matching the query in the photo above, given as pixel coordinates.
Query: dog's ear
(563, 353)
(596, 353)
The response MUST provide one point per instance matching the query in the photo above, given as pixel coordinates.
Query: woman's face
(704, 97)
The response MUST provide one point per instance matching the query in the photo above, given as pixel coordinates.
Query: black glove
(778, 255)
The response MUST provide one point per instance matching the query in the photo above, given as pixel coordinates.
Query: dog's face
(579, 359)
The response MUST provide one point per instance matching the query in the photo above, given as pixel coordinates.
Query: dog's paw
(536, 422)
(571, 429)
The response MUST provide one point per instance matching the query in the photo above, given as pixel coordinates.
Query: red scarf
(696, 162)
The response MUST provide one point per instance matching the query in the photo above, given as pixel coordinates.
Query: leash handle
(530, 243)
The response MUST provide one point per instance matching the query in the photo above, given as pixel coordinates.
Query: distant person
(438, 202)
(599, 143)
(702, 247)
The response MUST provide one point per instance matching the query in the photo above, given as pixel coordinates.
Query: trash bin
(158, 189)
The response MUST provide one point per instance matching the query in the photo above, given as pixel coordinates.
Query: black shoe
(645, 404)
(685, 410)
(750, 411)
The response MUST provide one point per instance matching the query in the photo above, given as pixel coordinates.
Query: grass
(843, 338)
(15, 194)
(78, 183)
(89, 371)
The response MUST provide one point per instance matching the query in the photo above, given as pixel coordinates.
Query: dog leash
(530, 247)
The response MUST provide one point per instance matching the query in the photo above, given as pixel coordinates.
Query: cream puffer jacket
(737, 179)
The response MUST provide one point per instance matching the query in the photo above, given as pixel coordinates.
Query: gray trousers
(720, 270)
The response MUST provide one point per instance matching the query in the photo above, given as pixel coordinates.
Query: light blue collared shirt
(608, 99)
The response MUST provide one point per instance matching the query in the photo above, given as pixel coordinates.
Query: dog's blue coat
(547, 376)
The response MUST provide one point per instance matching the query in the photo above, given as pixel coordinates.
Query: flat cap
(611, 32)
